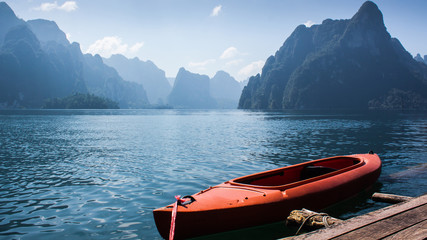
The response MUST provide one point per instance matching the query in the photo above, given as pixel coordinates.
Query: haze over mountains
(351, 64)
(191, 90)
(145, 73)
(225, 90)
(37, 63)
(340, 64)
(222, 91)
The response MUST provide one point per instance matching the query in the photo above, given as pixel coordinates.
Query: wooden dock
(406, 220)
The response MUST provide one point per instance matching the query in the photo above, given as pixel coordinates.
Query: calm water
(99, 174)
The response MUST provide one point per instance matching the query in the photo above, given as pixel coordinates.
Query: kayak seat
(314, 171)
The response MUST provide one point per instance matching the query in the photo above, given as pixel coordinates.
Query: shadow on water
(269, 231)
(355, 206)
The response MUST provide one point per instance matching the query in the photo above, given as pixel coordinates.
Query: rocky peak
(366, 29)
(118, 57)
(188, 77)
(6, 12)
(223, 80)
(369, 14)
(225, 89)
(8, 20)
(47, 31)
(418, 58)
(191, 90)
(222, 75)
(338, 64)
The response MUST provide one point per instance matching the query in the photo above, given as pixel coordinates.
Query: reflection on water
(98, 174)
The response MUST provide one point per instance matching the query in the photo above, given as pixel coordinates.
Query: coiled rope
(324, 220)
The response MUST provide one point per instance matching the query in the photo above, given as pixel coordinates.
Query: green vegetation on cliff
(340, 64)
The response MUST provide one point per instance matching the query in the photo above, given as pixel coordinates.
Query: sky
(205, 36)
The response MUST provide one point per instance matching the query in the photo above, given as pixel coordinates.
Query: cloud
(229, 53)
(216, 11)
(68, 36)
(201, 65)
(68, 6)
(108, 46)
(136, 47)
(251, 69)
(309, 23)
(113, 45)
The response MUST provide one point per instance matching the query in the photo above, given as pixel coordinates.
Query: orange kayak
(269, 196)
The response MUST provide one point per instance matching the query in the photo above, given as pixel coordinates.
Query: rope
(173, 217)
(324, 219)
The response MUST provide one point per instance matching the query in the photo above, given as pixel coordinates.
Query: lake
(98, 174)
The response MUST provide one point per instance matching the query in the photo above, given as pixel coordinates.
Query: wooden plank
(389, 198)
(363, 220)
(416, 232)
(388, 226)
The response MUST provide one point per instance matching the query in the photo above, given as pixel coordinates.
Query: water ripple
(99, 175)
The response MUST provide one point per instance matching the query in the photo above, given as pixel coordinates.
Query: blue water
(98, 174)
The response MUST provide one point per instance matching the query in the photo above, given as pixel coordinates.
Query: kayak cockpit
(299, 174)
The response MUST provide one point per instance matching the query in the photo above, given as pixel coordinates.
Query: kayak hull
(269, 196)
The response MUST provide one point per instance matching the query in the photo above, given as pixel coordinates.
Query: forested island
(81, 101)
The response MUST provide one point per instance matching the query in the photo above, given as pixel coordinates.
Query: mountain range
(340, 64)
(145, 73)
(192, 90)
(350, 64)
(38, 64)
